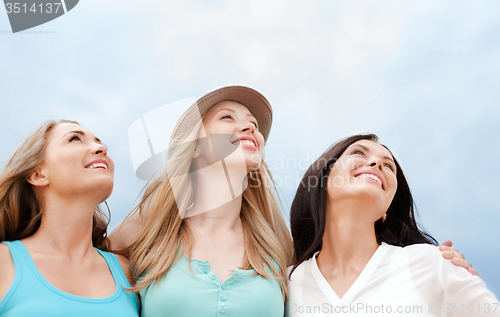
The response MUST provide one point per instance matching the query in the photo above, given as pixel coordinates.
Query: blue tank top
(30, 294)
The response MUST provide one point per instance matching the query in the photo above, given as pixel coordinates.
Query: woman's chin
(104, 188)
(252, 166)
(253, 161)
(362, 194)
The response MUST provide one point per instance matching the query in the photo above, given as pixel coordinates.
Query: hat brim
(256, 103)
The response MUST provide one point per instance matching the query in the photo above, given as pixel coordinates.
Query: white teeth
(97, 165)
(372, 177)
(247, 142)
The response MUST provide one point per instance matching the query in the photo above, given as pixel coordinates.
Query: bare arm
(125, 233)
(7, 271)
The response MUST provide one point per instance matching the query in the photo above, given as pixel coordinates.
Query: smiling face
(231, 125)
(76, 162)
(366, 172)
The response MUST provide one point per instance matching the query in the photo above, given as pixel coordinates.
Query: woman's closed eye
(75, 137)
(357, 152)
(389, 166)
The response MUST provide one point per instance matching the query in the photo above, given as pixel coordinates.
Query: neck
(66, 226)
(218, 199)
(349, 241)
(218, 220)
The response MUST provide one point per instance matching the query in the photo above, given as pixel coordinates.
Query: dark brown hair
(308, 219)
(20, 212)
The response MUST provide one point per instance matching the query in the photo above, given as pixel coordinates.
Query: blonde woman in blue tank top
(208, 238)
(52, 261)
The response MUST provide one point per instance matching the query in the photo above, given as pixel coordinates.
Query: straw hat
(256, 103)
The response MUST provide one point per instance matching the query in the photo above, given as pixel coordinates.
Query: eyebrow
(231, 110)
(249, 114)
(82, 134)
(368, 150)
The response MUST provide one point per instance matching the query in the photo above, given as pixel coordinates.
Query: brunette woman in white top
(359, 250)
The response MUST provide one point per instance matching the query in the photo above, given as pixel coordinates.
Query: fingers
(444, 247)
(473, 272)
(447, 246)
(450, 253)
(456, 257)
(461, 262)
(447, 243)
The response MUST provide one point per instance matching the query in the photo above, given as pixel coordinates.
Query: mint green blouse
(182, 293)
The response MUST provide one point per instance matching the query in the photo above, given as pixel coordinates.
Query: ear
(38, 178)
(196, 153)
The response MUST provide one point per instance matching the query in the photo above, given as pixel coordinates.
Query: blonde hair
(20, 212)
(162, 207)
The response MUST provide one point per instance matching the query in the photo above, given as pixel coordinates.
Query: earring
(196, 153)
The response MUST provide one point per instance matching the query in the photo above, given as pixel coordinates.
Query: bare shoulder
(7, 271)
(6, 262)
(124, 263)
(125, 233)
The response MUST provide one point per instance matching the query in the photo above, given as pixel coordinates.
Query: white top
(411, 281)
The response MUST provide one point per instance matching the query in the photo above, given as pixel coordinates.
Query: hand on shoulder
(456, 257)
(431, 254)
(7, 271)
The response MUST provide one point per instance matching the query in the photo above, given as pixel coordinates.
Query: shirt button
(207, 271)
(223, 287)
(222, 310)
(223, 298)
(213, 277)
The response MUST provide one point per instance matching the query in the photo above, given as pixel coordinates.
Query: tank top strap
(16, 252)
(20, 265)
(115, 268)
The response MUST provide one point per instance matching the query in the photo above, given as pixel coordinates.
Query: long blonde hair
(20, 212)
(162, 206)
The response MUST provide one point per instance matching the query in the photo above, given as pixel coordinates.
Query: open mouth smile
(246, 142)
(98, 164)
(372, 177)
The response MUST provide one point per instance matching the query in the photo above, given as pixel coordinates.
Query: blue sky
(422, 75)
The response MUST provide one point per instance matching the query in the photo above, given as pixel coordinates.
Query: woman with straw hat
(209, 236)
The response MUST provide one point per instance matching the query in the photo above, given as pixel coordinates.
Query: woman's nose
(100, 149)
(375, 162)
(249, 127)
